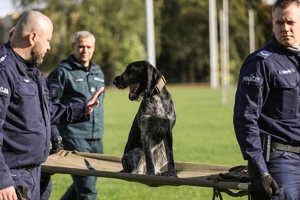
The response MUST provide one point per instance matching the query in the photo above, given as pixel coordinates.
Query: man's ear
(33, 37)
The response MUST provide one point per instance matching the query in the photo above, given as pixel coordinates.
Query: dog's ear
(152, 76)
(149, 70)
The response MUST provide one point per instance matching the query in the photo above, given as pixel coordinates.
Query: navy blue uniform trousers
(27, 182)
(285, 169)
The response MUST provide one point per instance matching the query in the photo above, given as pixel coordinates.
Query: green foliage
(181, 33)
(131, 49)
(203, 134)
(117, 26)
(239, 34)
(184, 41)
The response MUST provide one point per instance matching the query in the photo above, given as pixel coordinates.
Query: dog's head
(141, 77)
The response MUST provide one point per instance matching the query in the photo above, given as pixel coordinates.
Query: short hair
(283, 4)
(83, 34)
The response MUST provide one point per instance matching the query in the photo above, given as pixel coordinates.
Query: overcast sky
(6, 8)
(269, 1)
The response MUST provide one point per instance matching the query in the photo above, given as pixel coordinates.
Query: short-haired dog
(150, 143)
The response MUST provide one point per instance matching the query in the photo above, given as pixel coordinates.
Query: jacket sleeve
(54, 132)
(68, 114)
(251, 92)
(5, 93)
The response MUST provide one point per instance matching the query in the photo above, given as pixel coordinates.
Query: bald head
(32, 36)
(32, 21)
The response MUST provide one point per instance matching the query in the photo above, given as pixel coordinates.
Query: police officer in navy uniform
(46, 183)
(26, 111)
(75, 80)
(267, 109)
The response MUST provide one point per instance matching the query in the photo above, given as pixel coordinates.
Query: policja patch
(4, 91)
(54, 89)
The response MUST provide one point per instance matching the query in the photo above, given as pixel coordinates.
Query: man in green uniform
(75, 80)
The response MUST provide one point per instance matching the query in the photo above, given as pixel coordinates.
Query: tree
(239, 34)
(114, 24)
(184, 41)
(181, 33)
(184, 47)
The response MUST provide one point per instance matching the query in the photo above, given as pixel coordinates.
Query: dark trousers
(27, 183)
(46, 186)
(83, 187)
(285, 169)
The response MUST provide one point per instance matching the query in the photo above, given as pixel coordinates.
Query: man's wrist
(57, 140)
(265, 174)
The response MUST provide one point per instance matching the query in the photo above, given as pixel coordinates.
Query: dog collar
(161, 83)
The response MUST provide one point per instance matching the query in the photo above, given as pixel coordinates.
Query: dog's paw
(172, 175)
(151, 173)
(168, 174)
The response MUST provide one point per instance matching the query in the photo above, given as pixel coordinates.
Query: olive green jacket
(71, 82)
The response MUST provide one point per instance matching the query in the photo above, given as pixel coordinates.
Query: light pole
(213, 47)
(150, 34)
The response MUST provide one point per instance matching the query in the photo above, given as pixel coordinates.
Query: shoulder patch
(251, 79)
(53, 89)
(264, 53)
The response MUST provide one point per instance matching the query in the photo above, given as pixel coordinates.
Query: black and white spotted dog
(149, 145)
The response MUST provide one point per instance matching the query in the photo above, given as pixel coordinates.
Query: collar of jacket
(19, 61)
(288, 49)
(71, 62)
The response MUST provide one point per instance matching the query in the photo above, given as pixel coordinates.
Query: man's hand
(264, 186)
(93, 102)
(8, 193)
(56, 145)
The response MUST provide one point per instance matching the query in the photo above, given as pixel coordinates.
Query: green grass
(203, 134)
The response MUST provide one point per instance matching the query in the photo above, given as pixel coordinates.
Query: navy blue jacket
(71, 82)
(27, 114)
(267, 101)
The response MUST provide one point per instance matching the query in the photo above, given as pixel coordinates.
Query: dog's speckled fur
(149, 145)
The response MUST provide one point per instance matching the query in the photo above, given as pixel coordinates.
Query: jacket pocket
(283, 98)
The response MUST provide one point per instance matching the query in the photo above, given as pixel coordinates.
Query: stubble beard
(36, 56)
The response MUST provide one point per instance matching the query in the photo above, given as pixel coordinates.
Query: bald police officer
(26, 112)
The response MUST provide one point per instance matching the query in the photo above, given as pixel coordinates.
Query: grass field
(203, 134)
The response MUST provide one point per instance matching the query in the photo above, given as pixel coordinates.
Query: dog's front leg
(148, 155)
(169, 152)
